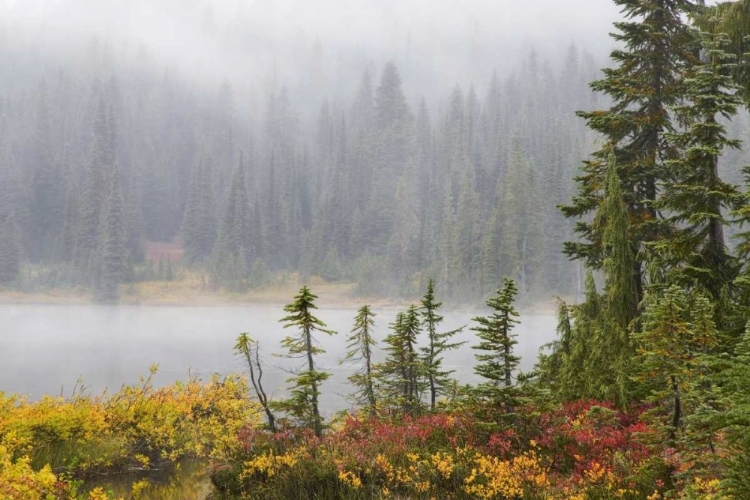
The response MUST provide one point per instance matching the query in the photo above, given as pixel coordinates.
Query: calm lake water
(46, 349)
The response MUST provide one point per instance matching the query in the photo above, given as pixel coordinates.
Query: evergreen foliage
(644, 85)
(439, 380)
(302, 403)
(496, 361)
(114, 259)
(10, 251)
(400, 375)
(360, 346)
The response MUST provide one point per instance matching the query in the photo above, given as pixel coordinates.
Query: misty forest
(339, 209)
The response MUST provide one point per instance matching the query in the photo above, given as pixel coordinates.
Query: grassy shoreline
(191, 291)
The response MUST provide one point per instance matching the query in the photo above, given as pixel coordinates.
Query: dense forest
(342, 178)
(376, 189)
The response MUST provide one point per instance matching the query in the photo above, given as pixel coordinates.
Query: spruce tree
(302, 404)
(10, 250)
(696, 199)
(113, 251)
(496, 362)
(360, 344)
(233, 251)
(645, 83)
(612, 348)
(97, 183)
(439, 380)
(400, 374)
(678, 330)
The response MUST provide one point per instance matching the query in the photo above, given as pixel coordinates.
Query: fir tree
(677, 330)
(302, 403)
(612, 348)
(360, 344)
(199, 221)
(249, 349)
(496, 362)
(113, 250)
(439, 380)
(399, 375)
(696, 198)
(232, 252)
(644, 85)
(10, 250)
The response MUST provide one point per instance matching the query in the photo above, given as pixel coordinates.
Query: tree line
(375, 190)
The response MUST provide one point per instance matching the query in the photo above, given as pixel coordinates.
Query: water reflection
(188, 481)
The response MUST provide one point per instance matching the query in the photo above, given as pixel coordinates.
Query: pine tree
(113, 247)
(612, 348)
(696, 198)
(496, 362)
(400, 374)
(439, 380)
(249, 349)
(199, 220)
(302, 403)
(232, 252)
(643, 86)
(677, 330)
(10, 250)
(97, 181)
(360, 344)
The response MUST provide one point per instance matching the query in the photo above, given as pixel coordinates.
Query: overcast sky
(459, 41)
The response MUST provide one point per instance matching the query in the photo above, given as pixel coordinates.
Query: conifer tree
(10, 250)
(578, 373)
(728, 416)
(302, 403)
(199, 221)
(696, 198)
(113, 250)
(677, 330)
(496, 361)
(399, 375)
(249, 349)
(97, 182)
(233, 249)
(612, 348)
(644, 85)
(360, 344)
(439, 380)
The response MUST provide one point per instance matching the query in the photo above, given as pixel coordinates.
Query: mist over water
(46, 349)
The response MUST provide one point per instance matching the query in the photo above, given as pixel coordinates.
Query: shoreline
(330, 296)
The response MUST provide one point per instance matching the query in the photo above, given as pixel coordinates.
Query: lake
(47, 348)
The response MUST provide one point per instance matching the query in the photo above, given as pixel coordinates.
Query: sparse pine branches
(302, 403)
(439, 379)
(496, 361)
(400, 374)
(360, 345)
(249, 349)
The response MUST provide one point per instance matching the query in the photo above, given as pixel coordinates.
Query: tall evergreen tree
(233, 252)
(696, 198)
(496, 361)
(439, 379)
(10, 250)
(302, 403)
(113, 251)
(645, 83)
(400, 374)
(360, 344)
